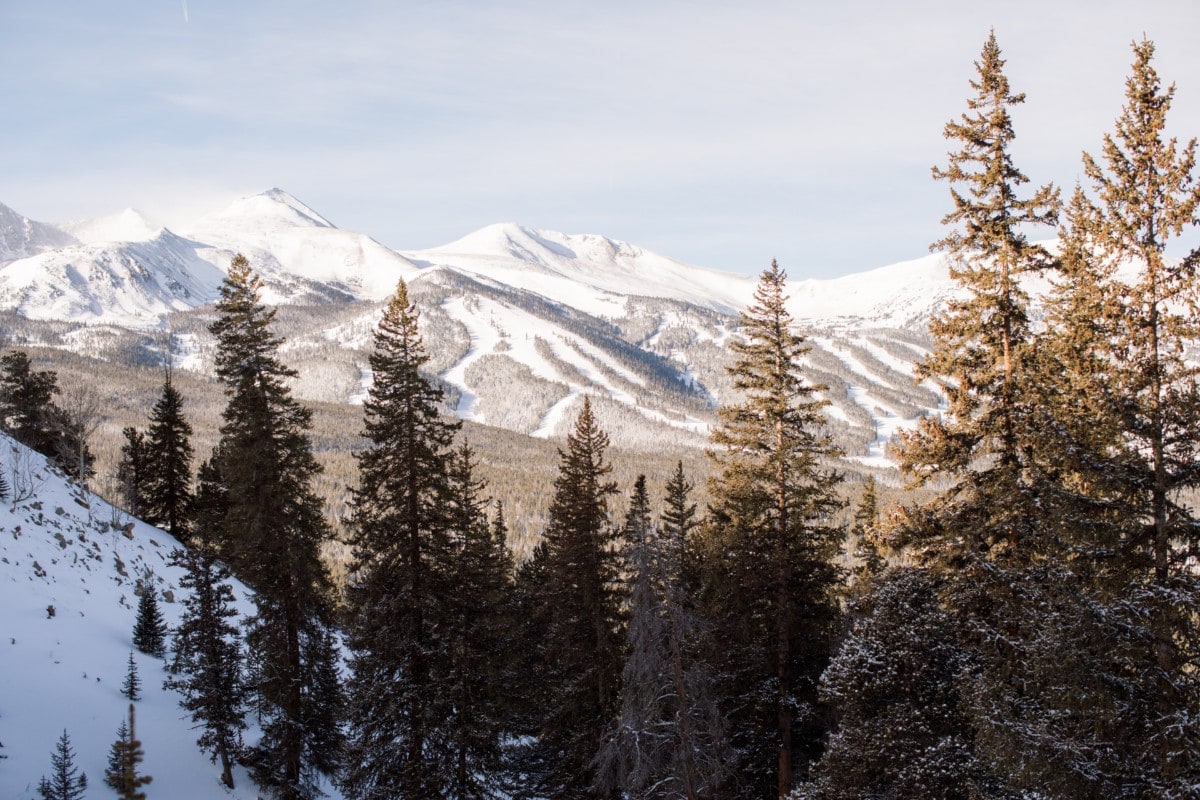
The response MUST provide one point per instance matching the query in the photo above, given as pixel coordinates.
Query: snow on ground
(68, 569)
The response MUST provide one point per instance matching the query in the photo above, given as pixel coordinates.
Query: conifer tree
(398, 594)
(133, 471)
(768, 548)
(582, 597)
(29, 414)
(1121, 319)
(668, 739)
(132, 687)
(896, 681)
(150, 630)
(982, 343)
(207, 664)
(270, 527)
(168, 487)
(124, 757)
(866, 515)
(1146, 196)
(482, 638)
(65, 781)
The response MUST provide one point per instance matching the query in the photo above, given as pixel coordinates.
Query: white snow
(60, 549)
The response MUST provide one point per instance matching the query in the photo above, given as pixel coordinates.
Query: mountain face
(520, 323)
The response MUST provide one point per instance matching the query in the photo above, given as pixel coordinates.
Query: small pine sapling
(132, 688)
(150, 631)
(63, 783)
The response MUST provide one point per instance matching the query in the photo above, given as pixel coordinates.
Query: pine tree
(65, 781)
(133, 472)
(124, 757)
(1121, 319)
(668, 739)
(29, 414)
(132, 687)
(581, 593)
(897, 684)
(1146, 196)
(866, 515)
(398, 599)
(207, 664)
(768, 547)
(150, 630)
(25, 397)
(982, 343)
(168, 487)
(481, 636)
(270, 527)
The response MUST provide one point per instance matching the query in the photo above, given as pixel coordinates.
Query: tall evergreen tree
(982, 343)
(168, 500)
(133, 471)
(582, 643)
(768, 548)
(65, 781)
(1147, 196)
(150, 630)
(398, 600)
(207, 664)
(125, 756)
(271, 528)
(1121, 320)
(668, 739)
(481, 640)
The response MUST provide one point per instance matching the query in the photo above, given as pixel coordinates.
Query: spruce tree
(65, 781)
(897, 683)
(982, 343)
(150, 630)
(168, 486)
(1121, 321)
(133, 472)
(481, 638)
(29, 414)
(400, 608)
(124, 757)
(768, 548)
(131, 689)
(270, 526)
(583, 641)
(866, 515)
(668, 738)
(207, 664)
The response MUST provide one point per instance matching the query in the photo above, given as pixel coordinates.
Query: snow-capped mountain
(69, 568)
(21, 237)
(520, 323)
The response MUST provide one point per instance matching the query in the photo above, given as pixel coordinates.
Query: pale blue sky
(719, 133)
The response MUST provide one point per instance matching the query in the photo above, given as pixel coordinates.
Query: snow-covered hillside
(69, 568)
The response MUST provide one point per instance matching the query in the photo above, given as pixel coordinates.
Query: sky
(721, 134)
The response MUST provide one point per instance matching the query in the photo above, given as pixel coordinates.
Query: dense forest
(1023, 622)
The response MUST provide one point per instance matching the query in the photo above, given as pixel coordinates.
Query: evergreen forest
(1015, 616)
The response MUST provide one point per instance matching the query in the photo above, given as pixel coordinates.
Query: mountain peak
(273, 208)
(129, 225)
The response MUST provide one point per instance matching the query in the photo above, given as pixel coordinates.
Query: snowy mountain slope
(279, 234)
(591, 273)
(21, 237)
(127, 283)
(63, 669)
